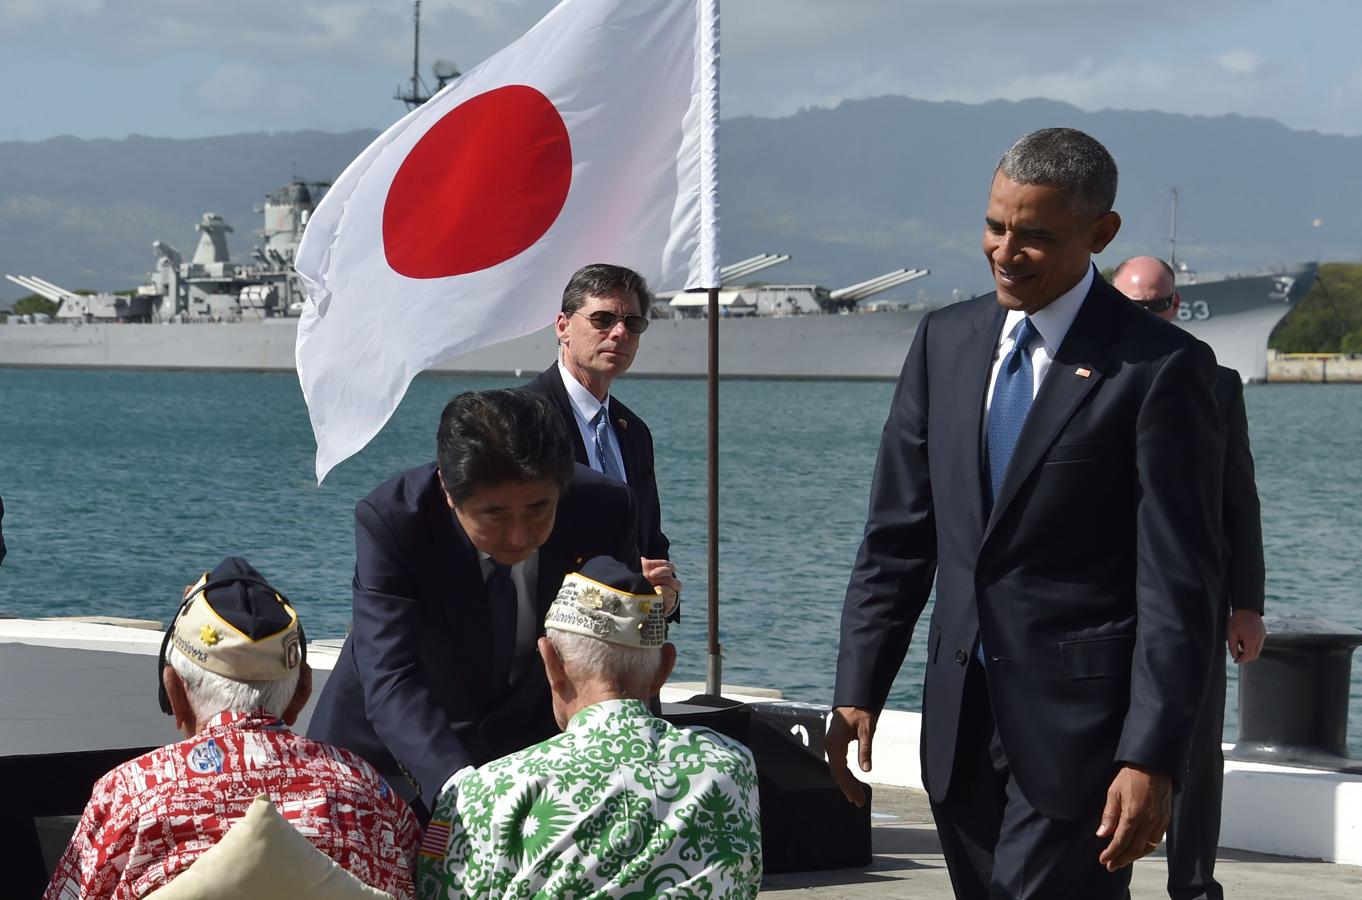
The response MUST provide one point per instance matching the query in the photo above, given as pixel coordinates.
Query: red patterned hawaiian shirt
(151, 817)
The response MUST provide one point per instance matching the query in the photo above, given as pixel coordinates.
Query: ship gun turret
(847, 297)
(74, 307)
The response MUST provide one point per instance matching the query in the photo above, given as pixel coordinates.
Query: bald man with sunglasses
(604, 313)
(1194, 830)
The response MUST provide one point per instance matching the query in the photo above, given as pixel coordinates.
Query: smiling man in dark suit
(1024, 468)
(456, 563)
(603, 316)
(1194, 832)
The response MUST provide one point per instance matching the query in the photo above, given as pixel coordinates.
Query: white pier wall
(1267, 809)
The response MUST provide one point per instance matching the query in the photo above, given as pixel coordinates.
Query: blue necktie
(502, 601)
(1011, 400)
(603, 455)
(1007, 414)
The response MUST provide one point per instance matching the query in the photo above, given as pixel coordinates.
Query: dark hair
(1067, 159)
(604, 280)
(487, 438)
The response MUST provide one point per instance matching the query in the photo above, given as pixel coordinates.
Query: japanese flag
(590, 139)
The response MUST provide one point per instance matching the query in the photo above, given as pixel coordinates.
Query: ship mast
(417, 93)
(1172, 232)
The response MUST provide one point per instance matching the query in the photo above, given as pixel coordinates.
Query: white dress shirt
(1052, 325)
(584, 409)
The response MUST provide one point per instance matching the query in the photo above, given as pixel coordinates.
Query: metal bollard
(1293, 700)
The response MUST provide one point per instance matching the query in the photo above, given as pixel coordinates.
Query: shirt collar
(583, 400)
(597, 711)
(485, 562)
(1053, 322)
(228, 719)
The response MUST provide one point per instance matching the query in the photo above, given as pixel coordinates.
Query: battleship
(213, 313)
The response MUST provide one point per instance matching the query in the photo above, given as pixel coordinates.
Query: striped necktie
(601, 423)
(1012, 394)
(1006, 415)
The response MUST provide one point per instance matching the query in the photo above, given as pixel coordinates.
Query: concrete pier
(908, 864)
(1314, 368)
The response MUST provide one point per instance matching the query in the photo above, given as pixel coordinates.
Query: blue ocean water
(120, 487)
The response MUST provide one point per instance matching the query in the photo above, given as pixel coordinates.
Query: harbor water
(122, 486)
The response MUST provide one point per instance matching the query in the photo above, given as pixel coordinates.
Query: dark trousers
(1194, 831)
(997, 846)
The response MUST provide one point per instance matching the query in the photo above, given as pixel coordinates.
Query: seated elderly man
(621, 803)
(234, 676)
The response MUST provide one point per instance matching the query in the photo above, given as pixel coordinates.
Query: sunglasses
(604, 321)
(1159, 304)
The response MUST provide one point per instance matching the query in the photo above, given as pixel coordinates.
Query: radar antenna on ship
(417, 92)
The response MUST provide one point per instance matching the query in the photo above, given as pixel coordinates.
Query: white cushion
(263, 857)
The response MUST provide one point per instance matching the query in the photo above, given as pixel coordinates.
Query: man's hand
(661, 573)
(1245, 635)
(1139, 803)
(849, 723)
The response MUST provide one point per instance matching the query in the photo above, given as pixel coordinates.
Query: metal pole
(416, 58)
(714, 670)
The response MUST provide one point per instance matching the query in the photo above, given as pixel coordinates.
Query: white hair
(629, 670)
(211, 693)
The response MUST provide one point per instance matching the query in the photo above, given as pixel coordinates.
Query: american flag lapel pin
(1083, 373)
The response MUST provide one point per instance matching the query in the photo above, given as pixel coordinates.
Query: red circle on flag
(480, 187)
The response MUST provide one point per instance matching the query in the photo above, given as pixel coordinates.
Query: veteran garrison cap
(607, 600)
(235, 624)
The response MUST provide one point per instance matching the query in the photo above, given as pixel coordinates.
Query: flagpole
(709, 248)
(714, 669)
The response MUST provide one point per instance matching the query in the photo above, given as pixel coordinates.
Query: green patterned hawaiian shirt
(620, 805)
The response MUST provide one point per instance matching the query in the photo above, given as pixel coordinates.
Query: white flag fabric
(593, 138)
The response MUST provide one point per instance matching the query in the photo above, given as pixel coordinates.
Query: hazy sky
(187, 68)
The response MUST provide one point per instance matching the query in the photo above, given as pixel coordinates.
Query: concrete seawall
(1314, 368)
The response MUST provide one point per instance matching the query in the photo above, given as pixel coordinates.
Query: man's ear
(553, 667)
(560, 327)
(664, 669)
(300, 696)
(180, 706)
(1104, 231)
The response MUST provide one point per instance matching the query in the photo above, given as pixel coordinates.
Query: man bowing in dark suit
(604, 313)
(1194, 831)
(456, 563)
(1023, 467)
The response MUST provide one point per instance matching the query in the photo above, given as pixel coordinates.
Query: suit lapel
(460, 579)
(620, 418)
(1061, 393)
(975, 363)
(553, 380)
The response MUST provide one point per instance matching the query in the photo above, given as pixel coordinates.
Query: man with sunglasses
(604, 312)
(234, 675)
(1194, 831)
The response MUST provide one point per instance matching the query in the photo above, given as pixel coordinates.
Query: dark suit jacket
(1243, 585)
(636, 446)
(411, 691)
(1092, 579)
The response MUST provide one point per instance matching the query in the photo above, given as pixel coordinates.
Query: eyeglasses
(604, 321)
(1159, 304)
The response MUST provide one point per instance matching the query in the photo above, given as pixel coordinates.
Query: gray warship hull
(1234, 315)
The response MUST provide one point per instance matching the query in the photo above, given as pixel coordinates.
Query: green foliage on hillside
(1329, 318)
(35, 304)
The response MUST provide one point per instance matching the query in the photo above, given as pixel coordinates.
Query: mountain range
(850, 191)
